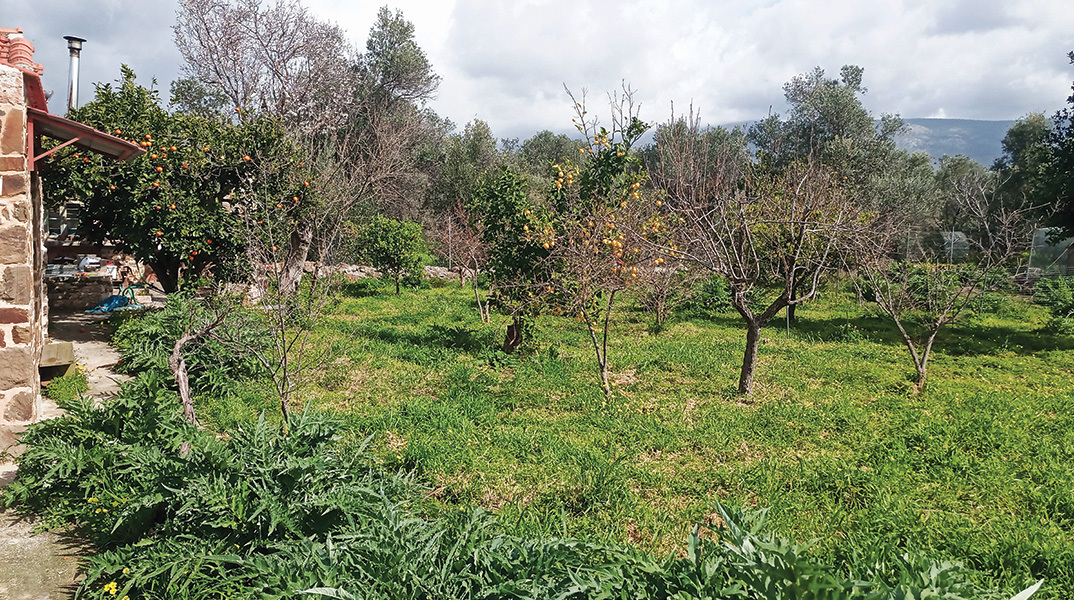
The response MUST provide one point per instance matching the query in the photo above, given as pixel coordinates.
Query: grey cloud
(117, 32)
(972, 16)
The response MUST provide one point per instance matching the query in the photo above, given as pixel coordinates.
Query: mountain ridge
(980, 140)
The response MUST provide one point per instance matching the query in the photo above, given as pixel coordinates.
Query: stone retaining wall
(77, 292)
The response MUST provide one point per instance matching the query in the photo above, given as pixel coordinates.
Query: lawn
(979, 467)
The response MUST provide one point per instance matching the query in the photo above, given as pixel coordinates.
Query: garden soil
(44, 566)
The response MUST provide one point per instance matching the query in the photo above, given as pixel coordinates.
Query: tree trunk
(167, 272)
(922, 363)
(513, 339)
(749, 359)
(481, 308)
(602, 364)
(177, 365)
(397, 276)
(294, 264)
(792, 305)
(922, 377)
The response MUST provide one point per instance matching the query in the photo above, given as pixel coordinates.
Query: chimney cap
(73, 42)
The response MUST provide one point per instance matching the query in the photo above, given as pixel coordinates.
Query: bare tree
(771, 235)
(274, 57)
(285, 347)
(931, 283)
(667, 284)
(269, 57)
(457, 237)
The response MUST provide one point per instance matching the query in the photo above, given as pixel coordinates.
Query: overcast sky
(506, 61)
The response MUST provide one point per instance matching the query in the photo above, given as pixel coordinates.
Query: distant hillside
(979, 140)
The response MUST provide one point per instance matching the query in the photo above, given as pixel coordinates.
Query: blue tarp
(110, 303)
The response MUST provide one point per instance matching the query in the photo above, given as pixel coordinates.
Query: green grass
(979, 467)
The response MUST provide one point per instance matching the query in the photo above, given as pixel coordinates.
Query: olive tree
(771, 234)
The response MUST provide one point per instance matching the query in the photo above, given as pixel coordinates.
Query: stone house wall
(22, 303)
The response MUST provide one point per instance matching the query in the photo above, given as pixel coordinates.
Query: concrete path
(90, 334)
(41, 566)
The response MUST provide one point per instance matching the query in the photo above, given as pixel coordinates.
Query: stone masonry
(22, 310)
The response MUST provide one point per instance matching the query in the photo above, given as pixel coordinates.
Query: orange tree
(573, 247)
(392, 247)
(518, 263)
(173, 207)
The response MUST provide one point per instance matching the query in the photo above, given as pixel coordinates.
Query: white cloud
(507, 62)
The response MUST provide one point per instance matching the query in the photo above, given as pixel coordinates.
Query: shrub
(1057, 294)
(66, 388)
(145, 342)
(393, 247)
(711, 297)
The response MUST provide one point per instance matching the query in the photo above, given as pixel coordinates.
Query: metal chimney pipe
(74, 44)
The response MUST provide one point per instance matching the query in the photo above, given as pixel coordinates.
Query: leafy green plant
(67, 388)
(393, 247)
(1057, 293)
(260, 514)
(710, 297)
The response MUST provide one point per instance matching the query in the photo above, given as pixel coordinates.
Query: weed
(68, 388)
